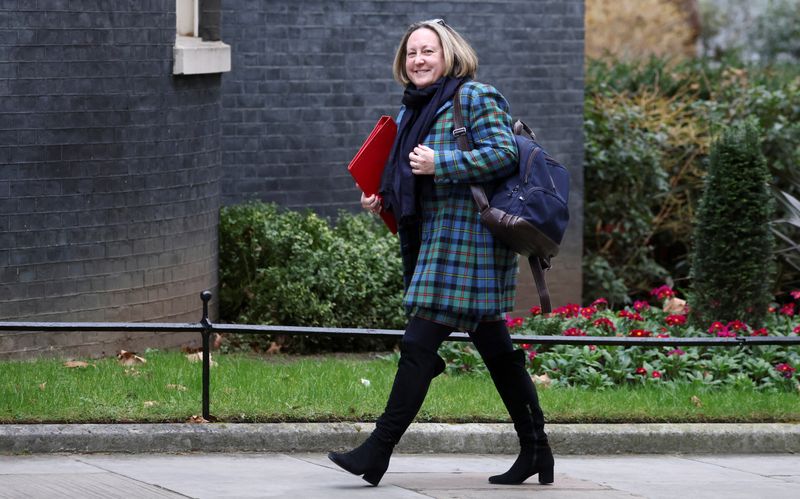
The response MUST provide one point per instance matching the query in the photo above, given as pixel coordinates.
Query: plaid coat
(461, 269)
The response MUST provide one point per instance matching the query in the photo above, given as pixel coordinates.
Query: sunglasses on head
(440, 22)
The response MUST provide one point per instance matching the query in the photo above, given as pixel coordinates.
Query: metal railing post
(206, 332)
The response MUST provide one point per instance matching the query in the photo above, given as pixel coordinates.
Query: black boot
(416, 369)
(518, 392)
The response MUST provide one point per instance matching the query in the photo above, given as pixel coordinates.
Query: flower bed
(664, 316)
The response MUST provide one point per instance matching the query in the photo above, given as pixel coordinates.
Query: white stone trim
(195, 56)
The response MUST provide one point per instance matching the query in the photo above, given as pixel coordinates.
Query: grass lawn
(246, 388)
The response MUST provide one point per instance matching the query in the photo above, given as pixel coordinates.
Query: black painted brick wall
(311, 77)
(109, 170)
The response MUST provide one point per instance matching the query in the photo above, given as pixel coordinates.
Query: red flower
(592, 348)
(796, 330)
(605, 323)
(536, 310)
(588, 312)
(662, 292)
(716, 327)
(737, 326)
(662, 335)
(760, 332)
(600, 304)
(788, 309)
(526, 346)
(675, 320)
(795, 294)
(772, 310)
(656, 374)
(640, 333)
(532, 355)
(630, 315)
(574, 331)
(514, 322)
(640, 305)
(640, 371)
(786, 370)
(568, 310)
(676, 351)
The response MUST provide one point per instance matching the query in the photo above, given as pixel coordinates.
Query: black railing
(205, 328)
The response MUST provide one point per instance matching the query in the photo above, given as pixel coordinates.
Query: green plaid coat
(461, 269)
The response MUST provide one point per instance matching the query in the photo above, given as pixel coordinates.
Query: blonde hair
(460, 59)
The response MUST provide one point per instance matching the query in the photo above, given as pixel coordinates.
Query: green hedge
(291, 268)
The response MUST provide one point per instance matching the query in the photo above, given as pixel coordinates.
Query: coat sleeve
(494, 153)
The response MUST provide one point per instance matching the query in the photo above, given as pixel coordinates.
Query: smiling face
(424, 58)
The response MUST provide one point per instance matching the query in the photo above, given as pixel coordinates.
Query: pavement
(443, 476)
(432, 461)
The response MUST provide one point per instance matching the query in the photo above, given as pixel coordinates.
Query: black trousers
(490, 338)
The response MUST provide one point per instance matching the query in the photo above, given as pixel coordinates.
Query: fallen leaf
(149, 403)
(696, 401)
(365, 382)
(132, 372)
(42, 386)
(274, 348)
(180, 388)
(217, 341)
(129, 358)
(544, 380)
(675, 306)
(75, 363)
(198, 357)
(196, 419)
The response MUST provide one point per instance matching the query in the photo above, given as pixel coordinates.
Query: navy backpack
(528, 210)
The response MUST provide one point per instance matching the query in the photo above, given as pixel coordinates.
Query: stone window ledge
(195, 56)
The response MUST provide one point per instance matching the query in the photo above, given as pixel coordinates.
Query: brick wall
(310, 78)
(109, 176)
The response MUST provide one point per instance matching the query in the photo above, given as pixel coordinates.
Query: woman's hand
(421, 160)
(371, 203)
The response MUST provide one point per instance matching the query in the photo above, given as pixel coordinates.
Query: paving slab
(709, 476)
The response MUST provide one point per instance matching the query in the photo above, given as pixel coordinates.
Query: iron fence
(205, 327)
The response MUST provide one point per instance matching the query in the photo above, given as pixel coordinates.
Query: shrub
(652, 118)
(292, 268)
(625, 156)
(732, 265)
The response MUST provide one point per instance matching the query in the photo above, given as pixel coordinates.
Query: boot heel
(546, 476)
(374, 476)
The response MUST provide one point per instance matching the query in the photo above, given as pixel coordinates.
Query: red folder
(367, 165)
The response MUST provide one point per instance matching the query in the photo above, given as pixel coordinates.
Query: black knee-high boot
(518, 392)
(417, 367)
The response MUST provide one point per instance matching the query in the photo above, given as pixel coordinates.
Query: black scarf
(400, 188)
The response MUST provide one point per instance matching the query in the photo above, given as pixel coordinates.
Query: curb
(578, 439)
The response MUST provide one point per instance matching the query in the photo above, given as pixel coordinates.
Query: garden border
(205, 327)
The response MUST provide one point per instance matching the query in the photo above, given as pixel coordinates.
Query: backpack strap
(541, 286)
(460, 133)
(479, 195)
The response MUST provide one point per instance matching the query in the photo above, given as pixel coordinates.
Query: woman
(457, 276)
